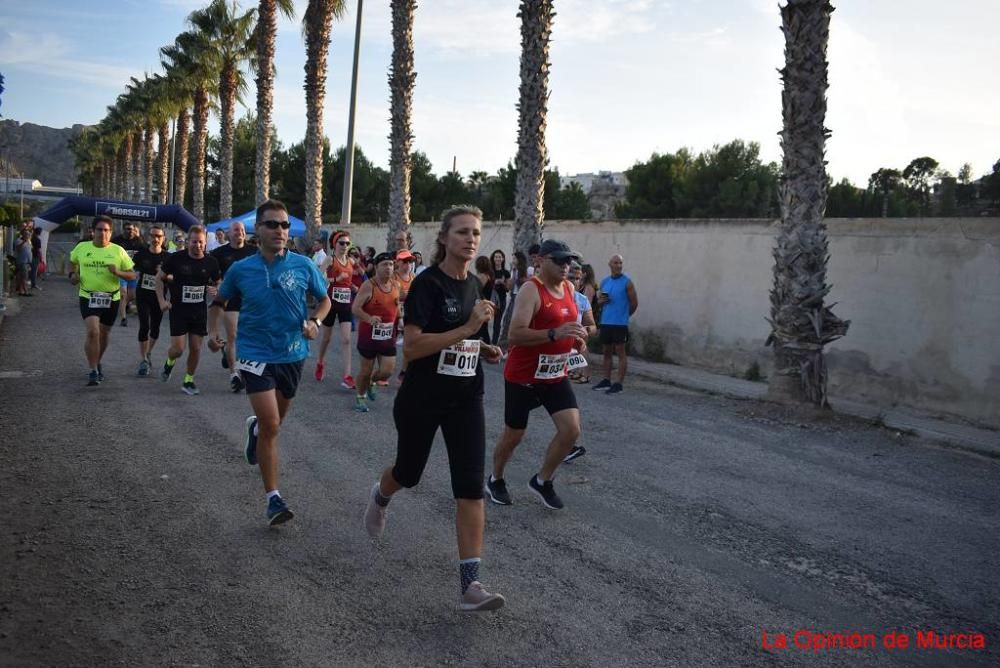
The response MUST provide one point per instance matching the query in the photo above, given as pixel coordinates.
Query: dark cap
(382, 257)
(556, 249)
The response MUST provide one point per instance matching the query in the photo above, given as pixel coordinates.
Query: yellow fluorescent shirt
(93, 263)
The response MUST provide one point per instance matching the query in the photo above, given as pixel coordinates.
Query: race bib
(131, 253)
(192, 294)
(342, 295)
(149, 281)
(99, 300)
(576, 361)
(256, 368)
(382, 332)
(551, 367)
(460, 359)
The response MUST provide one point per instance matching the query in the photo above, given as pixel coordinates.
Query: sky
(907, 78)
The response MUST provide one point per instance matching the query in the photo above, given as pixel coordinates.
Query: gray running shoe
(189, 389)
(477, 599)
(374, 515)
(143, 368)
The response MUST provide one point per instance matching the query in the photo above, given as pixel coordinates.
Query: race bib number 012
(99, 300)
(382, 332)
(192, 294)
(149, 281)
(460, 359)
(551, 367)
(342, 295)
(256, 368)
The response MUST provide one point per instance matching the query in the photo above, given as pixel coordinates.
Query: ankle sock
(468, 569)
(188, 378)
(382, 501)
(273, 492)
(170, 362)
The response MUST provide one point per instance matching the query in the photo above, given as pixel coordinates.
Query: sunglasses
(561, 261)
(156, 236)
(343, 243)
(275, 224)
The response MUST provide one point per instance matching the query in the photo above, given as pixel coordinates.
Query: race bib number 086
(460, 359)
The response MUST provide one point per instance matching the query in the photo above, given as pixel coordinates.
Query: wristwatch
(319, 323)
(552, 335)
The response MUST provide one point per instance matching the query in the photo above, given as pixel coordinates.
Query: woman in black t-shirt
(443, 388)
(501, 286)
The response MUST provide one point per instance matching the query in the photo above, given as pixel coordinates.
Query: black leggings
(150, 315)
(463, 425)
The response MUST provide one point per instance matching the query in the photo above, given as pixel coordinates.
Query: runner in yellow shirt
(97, 267)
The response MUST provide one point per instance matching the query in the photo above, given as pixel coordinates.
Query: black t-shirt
(226, 255)
(190, 273)
(438, 303)
(147, 263)
(131, 246)
(500, 290)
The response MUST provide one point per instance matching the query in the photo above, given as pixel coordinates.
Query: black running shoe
(576, 452)
(92, 380)
(165, 373)
(546, 493)
(615, 388)
(603, 385)
(250, 441)
(497, 491)
(100, 373)
(277, 511)
(189, 388)
(124, 322)
(236, 383)
(225, 359)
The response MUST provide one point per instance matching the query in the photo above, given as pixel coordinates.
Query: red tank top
(385, 306)
(545, 363)
(335, 268)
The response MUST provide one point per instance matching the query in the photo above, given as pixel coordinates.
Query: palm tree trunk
(227, 99)
(124, 158)
(181, 159)
(318, 23)
(129, 166)
(200, 144)
(402, 78)
(148, 167)
(267, 28)
(163, 161)
(137, 157)
(800, 323)
(536, 31)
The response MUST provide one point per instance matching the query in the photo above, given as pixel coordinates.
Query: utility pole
(345, 211)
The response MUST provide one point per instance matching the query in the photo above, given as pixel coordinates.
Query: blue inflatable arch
(75, 205)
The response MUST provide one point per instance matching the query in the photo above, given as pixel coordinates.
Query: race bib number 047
(460, 359)
(382, 332)
(342, 295)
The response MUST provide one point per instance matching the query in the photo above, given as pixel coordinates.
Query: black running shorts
(372, 349)
(338, 311)
(274, 376)
(463, 426)
(613, 334)
(105, 315)
(520, 400)
(189, 321)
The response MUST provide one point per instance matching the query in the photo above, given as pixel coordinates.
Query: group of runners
(439, 313)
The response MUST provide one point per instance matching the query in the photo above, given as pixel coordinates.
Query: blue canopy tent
(76, 205)
(248, 219)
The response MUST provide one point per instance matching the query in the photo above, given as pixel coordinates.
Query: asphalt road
(134, 534)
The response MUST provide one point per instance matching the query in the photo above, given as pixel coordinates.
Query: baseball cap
(382, 257)
(556, 249)
(404, 255)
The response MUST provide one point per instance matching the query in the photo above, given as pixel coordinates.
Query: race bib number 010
(256, 368)
(100, 300)
(576, 361)
(342, 295)
(382, 332)
(460, 359)
(551, 367)
(192, 294)
(149, 281)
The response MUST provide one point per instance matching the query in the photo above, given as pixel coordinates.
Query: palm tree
(402, 78)
(536, 31)
(179, 96)
(267, 30)
(142, 96)
(193, 58)
(227, 43)
(317, 24)
(800, 323)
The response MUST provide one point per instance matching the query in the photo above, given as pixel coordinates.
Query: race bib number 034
(100, 300)
(460, 359)
(551, 367)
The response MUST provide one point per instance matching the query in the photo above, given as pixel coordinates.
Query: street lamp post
(345, 212)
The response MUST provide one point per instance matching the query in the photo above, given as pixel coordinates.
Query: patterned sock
(469, 571)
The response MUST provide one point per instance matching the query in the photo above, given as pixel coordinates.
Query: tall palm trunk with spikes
(800, 322)
(318, 24)
(200, 144)
(148, 166)
(163, 162)
(267, 28)
(136, 175)
(181, 144)
(402, 78)
(227, 99)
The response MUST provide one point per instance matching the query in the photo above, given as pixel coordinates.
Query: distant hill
(40, 152)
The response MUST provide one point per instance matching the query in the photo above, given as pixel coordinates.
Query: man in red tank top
(543, 332)
(377, 310)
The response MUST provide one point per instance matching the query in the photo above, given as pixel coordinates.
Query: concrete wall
(923, 297)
